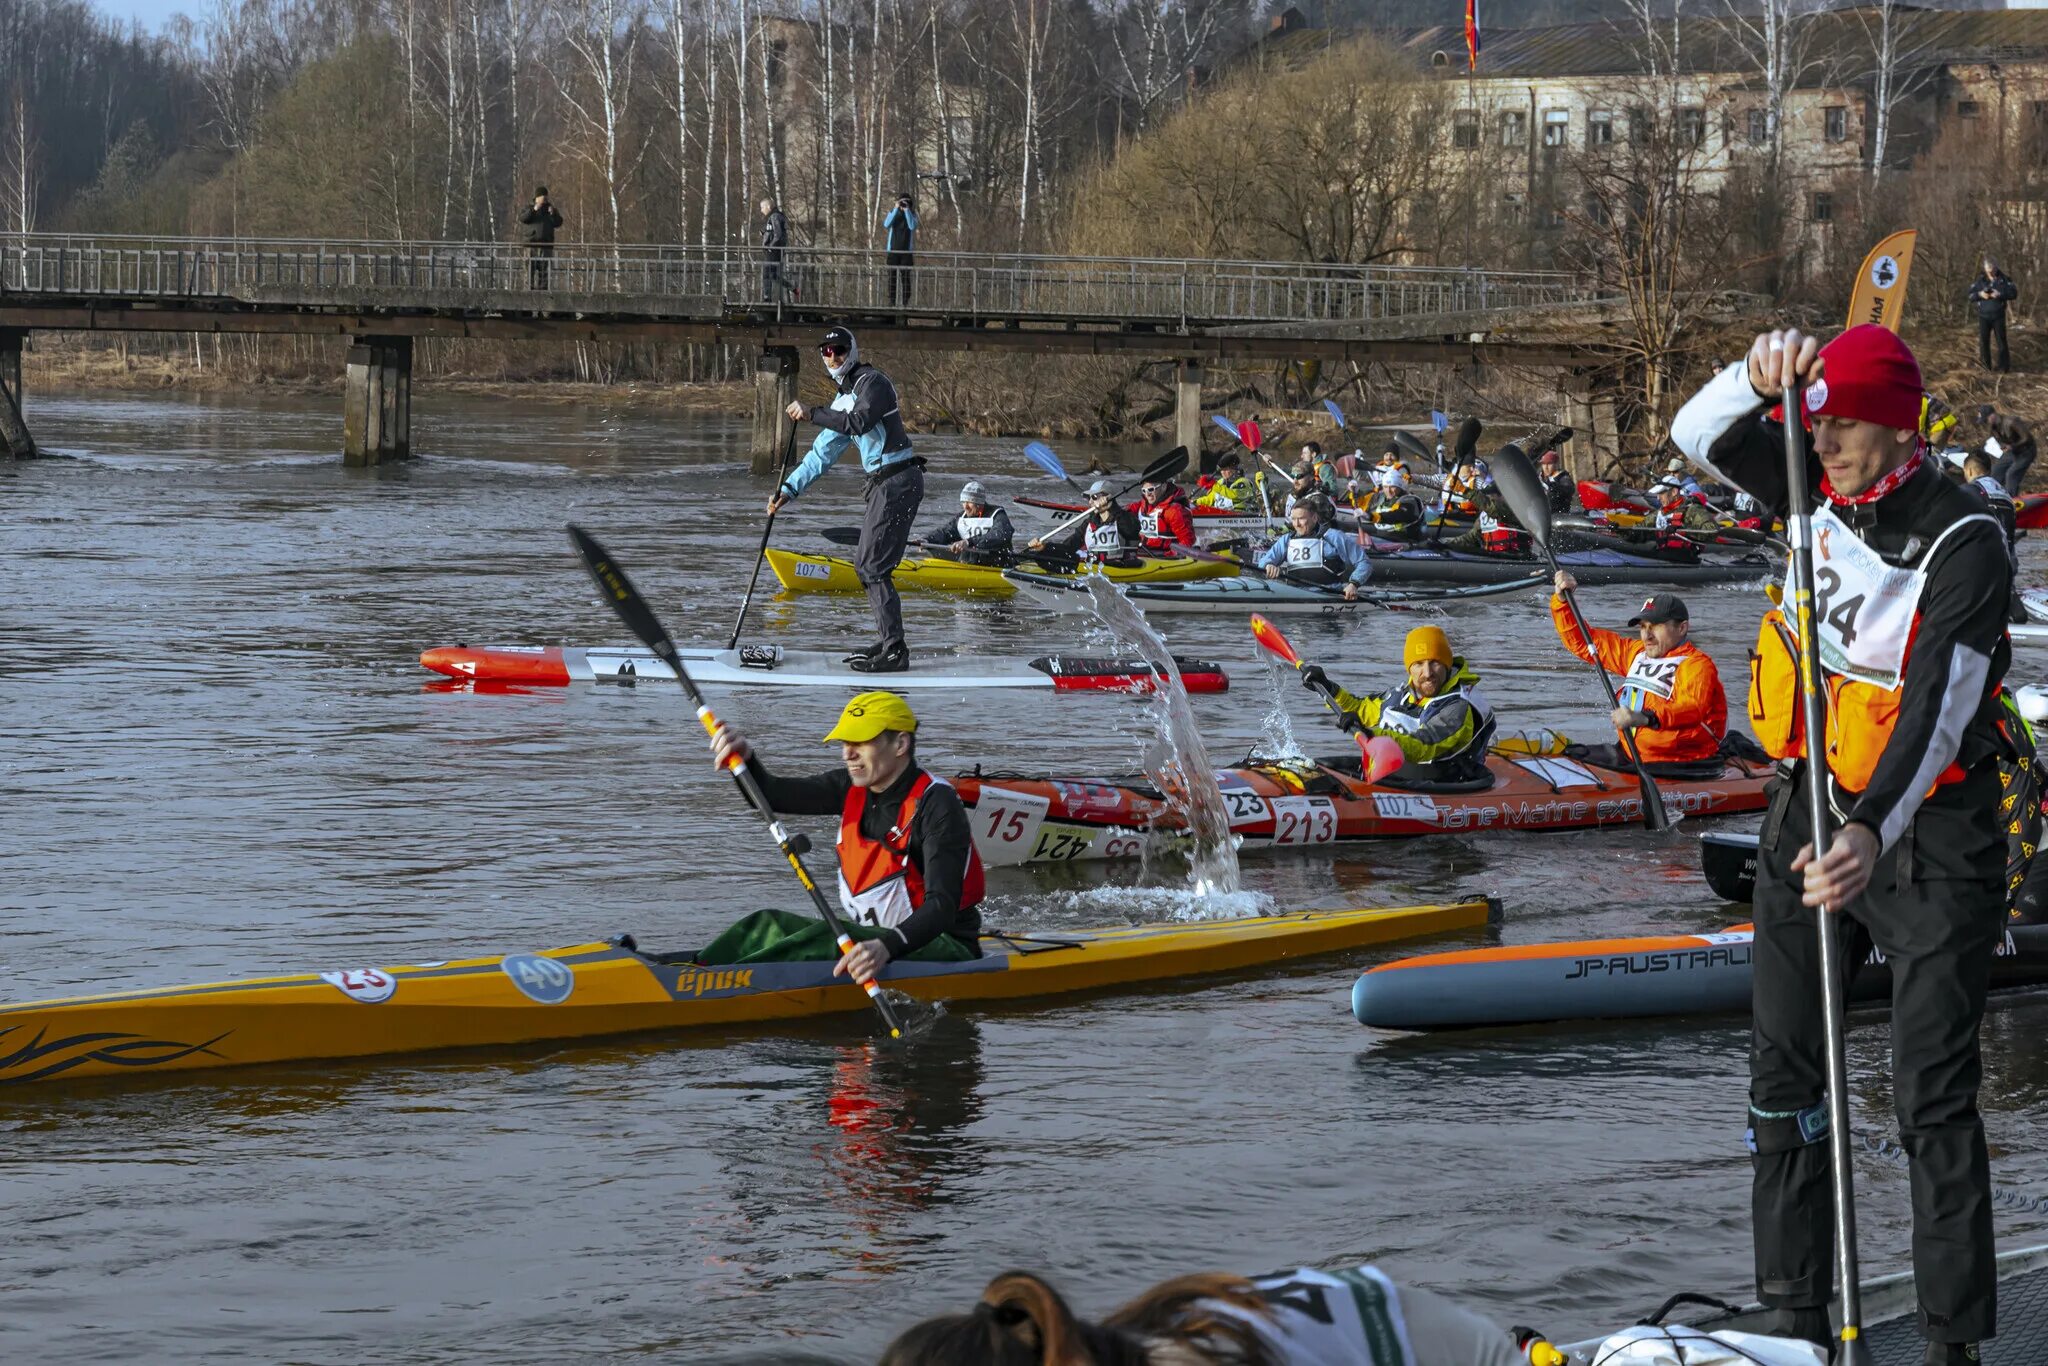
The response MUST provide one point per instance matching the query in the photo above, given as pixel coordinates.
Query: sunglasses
(831, 350)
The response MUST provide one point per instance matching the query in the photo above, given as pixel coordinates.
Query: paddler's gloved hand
(1348, 722)
(1314, 679)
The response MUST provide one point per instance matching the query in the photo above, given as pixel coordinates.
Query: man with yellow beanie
(1439, 718)
(910, 882)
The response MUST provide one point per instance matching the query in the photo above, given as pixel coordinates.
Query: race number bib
(970, 527)
(1220, 497)
(1649, 678)
(1148, 525)
(1487, 522)
(1304, 552)
(1105, 540)
(1862, 607)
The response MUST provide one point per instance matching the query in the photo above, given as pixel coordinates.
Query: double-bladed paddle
(618, 590)
(1518, 483)
(1040, 454)
(1376, 759)
(761, 551)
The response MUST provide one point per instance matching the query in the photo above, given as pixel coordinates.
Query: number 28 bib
(1862, 607)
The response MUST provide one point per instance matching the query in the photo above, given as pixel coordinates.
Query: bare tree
(603, 37)
(20, 176)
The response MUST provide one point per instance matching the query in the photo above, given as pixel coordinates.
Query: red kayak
(2032, 512)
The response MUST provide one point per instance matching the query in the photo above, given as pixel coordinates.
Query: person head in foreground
(973, 498)
(1664, 623)
(877, 735)
(1307, 518)
(1428, 659)
(838, 349)
(1158, 488)
(1862, 398)
(1101, 496)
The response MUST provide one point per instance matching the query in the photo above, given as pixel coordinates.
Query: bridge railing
(684, 280)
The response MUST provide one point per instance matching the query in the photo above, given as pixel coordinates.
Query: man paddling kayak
(865, 413)
(1315, 552)
(910, 880)
(1230, 488)
(1909, 615)
(982, 530)
(1163, 516)
(1108, 534)
(1395, 511)
(1670, 702)
(1439, 718)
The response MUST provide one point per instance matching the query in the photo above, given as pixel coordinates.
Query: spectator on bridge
(540, 220)
(1991, 292)
(901, 227)
(774, 241)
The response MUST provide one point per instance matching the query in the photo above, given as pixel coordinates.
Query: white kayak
(554, 666)
(2035, 600)
(1249, 594)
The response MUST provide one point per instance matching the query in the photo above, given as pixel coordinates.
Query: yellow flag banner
(1880, 294)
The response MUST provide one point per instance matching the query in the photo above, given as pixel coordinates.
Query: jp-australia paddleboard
(1246, 594)
(773, 666)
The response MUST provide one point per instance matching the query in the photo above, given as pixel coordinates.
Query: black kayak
(1592, 568)
(1729, 861)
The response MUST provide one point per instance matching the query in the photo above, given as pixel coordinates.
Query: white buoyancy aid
(1104, 539)
(970, 527)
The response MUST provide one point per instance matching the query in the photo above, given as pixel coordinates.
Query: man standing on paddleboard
(865, 413)
(910, 880)
(1911, 583)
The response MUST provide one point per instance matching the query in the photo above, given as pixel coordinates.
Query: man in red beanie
(1911, 582)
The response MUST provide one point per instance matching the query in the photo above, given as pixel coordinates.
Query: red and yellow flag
(1471, 35)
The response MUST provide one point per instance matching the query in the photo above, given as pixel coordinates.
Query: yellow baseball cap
(871, 713)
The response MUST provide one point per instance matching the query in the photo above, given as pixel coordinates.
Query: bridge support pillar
(774, 390)
(376, 417)
(1187, 410)
(15, 441)
(1589, 412)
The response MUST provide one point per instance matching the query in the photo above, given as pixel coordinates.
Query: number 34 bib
(1862, 607)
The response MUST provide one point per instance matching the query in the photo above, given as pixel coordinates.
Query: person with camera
(901, 227)
(539, 221)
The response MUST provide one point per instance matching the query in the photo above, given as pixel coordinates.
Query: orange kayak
(1308, 804)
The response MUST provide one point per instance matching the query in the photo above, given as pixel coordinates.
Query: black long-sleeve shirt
(996, 540)
(1947, 707)
(940, 840)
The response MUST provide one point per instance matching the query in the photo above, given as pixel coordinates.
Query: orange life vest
(878, 882)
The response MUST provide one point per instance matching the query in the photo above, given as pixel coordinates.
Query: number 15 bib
(1863, 608)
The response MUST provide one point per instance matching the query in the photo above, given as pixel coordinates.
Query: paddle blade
(1040, 454)
(1336, 413)
(619, 591)
(1468, 438)
(1438, 420)
(1268, 635)
(1518, 482)
(1383, 757)
(1655, 817)
(1225, 423)
(1168, 466)
(1410, 446)
(1249, 433)
(842, 535)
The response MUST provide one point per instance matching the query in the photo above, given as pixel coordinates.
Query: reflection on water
(219, 760)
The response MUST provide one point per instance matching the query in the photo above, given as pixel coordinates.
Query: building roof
(1718, 45)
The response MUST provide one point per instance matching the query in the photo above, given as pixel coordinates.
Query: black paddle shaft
(639, 618)
(761, 551)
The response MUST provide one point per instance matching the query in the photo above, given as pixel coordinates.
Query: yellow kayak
(831, 574)
(612, 988)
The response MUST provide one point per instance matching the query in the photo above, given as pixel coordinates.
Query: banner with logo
(1880, 293)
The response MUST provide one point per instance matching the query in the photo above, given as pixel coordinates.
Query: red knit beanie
(1870, 375)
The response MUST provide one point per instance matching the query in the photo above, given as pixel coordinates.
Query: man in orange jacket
(1671, 700)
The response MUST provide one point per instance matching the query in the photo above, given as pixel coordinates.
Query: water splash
(1276, 728)
(1176, 760)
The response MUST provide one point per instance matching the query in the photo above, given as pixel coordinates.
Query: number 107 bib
(1862, 607)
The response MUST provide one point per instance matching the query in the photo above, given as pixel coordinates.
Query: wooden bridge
(385, 294)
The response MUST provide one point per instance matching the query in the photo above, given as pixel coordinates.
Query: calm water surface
(218, 759)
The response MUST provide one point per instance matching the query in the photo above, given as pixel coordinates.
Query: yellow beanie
(1427, 642)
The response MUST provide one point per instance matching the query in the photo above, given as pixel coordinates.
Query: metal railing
(670, 281)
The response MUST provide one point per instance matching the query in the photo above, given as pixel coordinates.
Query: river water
(218, 759)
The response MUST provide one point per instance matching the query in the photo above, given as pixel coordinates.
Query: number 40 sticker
(543, 979)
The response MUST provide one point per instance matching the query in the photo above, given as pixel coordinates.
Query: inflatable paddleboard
(1613, 979)
(555, 666)
(1236, 597)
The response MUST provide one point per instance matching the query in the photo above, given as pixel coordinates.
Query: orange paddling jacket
(1681, 692)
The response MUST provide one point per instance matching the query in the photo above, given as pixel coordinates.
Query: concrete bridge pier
(15, 440)
(1187, 410)
(774, 390)
(376, 416)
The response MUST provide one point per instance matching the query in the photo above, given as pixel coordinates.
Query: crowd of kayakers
(1927, 790)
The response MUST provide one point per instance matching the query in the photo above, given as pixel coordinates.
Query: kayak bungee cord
(633, 610)
(1813, 715)
(761, 552)
(1516, 479)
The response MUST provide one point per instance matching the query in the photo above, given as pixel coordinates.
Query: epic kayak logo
(698, 981)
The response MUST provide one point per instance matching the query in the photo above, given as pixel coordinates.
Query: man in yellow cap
(910, 882)
(1439, 718)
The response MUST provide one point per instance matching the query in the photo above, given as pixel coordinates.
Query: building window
(1597, 212)
(1823, 207)
(1552, 215)
(1511, 208)
(1556, 124)
(1465, 128)
(1759, 128)
(1639, 124)
(1514, 128)
(1967, 109)
(1835, 123)
(1692, 127)
(1599, 127)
